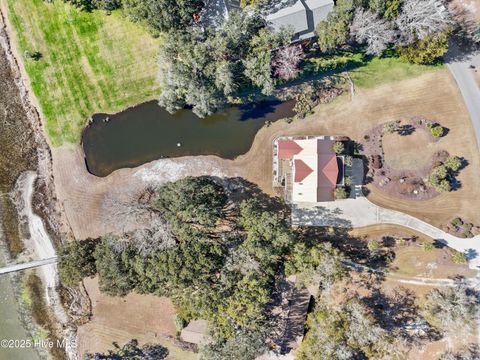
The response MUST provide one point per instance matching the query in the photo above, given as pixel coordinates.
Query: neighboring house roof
(293, 15)
(302, 15)
(320, 9)
(196, 332)
(288, 148)
(315, 168)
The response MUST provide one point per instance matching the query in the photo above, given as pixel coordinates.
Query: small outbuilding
(196, 332)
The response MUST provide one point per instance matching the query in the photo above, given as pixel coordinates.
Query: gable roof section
(294, 15)
(328, 170)
(288, 148)
(302, 170)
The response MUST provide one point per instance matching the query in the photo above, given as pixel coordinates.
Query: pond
(148, 132)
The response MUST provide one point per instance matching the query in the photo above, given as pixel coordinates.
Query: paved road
(459, 65)
(360, 212)
(29, 265)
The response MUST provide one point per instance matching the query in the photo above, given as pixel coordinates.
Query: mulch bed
(404, 184)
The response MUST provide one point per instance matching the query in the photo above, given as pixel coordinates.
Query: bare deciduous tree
(286, 61)
(421, 18)
(451, 309)
(368, 28)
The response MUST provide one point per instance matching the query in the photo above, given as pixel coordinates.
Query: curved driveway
(361, 212)
(459, 65)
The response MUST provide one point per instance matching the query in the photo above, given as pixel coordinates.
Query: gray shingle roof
(303, 15)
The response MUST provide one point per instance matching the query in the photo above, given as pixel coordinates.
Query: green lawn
(379, 71)
(90, 63)
(366, 72)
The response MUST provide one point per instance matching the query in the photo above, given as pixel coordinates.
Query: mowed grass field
(90, 62)
(379, 71)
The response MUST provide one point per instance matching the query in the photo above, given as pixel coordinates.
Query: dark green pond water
(148, 132)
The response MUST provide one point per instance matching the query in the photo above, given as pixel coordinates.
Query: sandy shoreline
(39, 244)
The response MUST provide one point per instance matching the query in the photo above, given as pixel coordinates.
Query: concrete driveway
(360, 212)
(459, 65)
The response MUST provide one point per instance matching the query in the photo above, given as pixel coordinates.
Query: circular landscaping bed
(405, 160)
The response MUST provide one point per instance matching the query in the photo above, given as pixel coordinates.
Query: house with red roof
(308, 168)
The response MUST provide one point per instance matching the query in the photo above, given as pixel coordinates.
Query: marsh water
(17, 154)
(148, 132)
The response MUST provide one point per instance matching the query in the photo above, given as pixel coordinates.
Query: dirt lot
(433, 96)
(119, 319)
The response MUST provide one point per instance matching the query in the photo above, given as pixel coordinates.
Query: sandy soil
(433, 96)
(146, 318)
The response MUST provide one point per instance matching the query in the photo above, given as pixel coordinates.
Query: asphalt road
(459, 65)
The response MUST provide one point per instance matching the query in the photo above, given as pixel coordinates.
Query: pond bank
(147, 132)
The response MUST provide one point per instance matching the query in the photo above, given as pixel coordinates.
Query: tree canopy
(76, 261)
(163, 15)
(191, 200)
(205, 69)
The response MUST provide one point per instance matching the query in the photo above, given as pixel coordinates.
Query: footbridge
(29, 265)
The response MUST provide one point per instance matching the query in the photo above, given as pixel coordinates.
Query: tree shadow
(406, 130)
(239, 189)
(456, 184)
(399, 313)
(319, 216)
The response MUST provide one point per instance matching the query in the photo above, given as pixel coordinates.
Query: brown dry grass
(434, 96)
(413, 260)
(409, 152)
(146, 318)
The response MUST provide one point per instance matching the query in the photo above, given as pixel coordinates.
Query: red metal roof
(329, 168)
(288, 148)
(302, 170)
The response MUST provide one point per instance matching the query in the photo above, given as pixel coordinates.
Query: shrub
(340, 193)
(390, 127)
(467, 230)
(179, 323)
(348, 161)
(440, 172)
(443, 186)
(457, 222)
(348, 180)
(373, 245)
(438, 179)
(426, 51)
(427, 246)
(303, 104)
(437, 131)
(338, 147)
(459, 258)
(453, 162)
